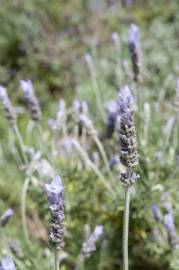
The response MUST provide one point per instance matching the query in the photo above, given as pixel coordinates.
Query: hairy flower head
(127, 132)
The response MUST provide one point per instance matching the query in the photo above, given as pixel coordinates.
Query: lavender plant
(89, 246)
(133, 44)
(10, 115)
(128, 157)
(31, 99)
(56, 231)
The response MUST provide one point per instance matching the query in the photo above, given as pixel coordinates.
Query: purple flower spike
(56, 232)
(168, 222)
(5, 217)
(127, 132)
(7, 264)
(156, 212)
(133, 36)
(133, 44)
(171, 230)
(90, 245)
(31, 99)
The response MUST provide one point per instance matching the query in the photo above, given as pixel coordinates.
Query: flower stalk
(56, 231)
(126, 228)
(128, 157)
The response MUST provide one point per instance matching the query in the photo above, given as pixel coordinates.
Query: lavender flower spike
(128, 157)
(7, 106)
(32, 101)
(7, 264)
(111, 118)
(5, 217)
(157, 213)
(90, 245)
(56, 231)
(171, 230)
(127, 132)
(133, 44)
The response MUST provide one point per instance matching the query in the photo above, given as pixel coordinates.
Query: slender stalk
(40, 137)
(102, 152)
(126, 229)
(85, 157)
(57, 265)
(101, 177)
(23, 208)
(97, 93)
(21, 144)
(29, 130)
(80, 262)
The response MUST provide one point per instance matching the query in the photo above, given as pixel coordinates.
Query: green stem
(97, 93)
(57, 265)
(101, 177)
(23, 208)
(102, 152)
(126, 229)
(85, 157)
(21, 144)
(29, 131)
(40, 137)
(80, 262)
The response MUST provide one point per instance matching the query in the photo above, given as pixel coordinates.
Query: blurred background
(52, 43)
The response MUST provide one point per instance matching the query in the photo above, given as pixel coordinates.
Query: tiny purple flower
(133, 35)
(169, 222)
(31, 99)
(7, 263)
(90, 245)
(3, 93)
(5, 217)
(27, 87)
(54, 190)
(156, 212)
(126, 102)
(133, 44)
(88, 58)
